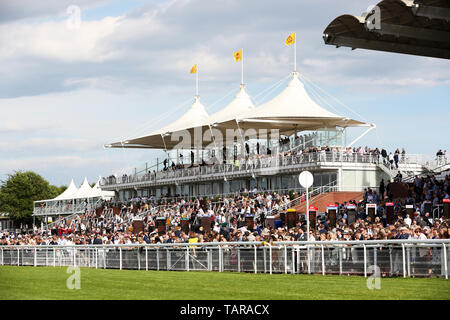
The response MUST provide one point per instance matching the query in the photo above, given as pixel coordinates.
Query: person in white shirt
(408, 220)
(391, 159)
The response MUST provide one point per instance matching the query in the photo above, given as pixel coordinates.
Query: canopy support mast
(243, 145)
(372, 126)
(242, 67)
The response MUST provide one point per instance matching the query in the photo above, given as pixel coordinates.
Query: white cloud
(54, 40)
(70, 91)
(25, 9)
(155, 45)
(33, 146)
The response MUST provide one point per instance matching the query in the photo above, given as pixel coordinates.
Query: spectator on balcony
(396, 155)
(384, 155)
(391, 160)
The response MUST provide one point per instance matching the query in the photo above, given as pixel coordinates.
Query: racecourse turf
(50, 283)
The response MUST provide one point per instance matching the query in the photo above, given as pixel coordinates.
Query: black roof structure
(416, 27)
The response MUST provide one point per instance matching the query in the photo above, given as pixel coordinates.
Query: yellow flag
(194, 69)
(237, 55)
(291, 39)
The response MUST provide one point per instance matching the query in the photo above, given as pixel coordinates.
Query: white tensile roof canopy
(196, 116)
(68, 193)
(291, 111)
(239, 106)
(84, 191)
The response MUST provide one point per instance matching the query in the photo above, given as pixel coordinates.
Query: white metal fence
(406, 258)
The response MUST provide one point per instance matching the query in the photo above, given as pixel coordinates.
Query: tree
(18, 192)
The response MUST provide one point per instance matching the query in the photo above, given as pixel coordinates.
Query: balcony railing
(62, 209)
(257, 164)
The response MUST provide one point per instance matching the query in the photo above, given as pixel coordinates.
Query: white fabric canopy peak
(194, 117)
(84, 191)
(292, 102)
(240, 105)
(68, 193)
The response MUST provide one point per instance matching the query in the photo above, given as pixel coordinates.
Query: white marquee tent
(84, 192)
(68, 193)
(289, 112)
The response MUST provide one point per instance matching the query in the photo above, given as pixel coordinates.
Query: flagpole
(196, 82)
(242, 67)
(295, 54)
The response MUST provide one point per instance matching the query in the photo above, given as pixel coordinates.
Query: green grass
(50, 283)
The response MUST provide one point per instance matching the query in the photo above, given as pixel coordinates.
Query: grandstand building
(266, 151)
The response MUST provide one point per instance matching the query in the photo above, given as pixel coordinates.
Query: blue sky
(64, 93)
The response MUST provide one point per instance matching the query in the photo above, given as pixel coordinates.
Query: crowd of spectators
(113, 224)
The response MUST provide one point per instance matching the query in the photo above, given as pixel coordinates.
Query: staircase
(391, 173)
(321, 201)
(314, 194)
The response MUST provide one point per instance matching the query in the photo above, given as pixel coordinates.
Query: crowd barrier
(386, 258)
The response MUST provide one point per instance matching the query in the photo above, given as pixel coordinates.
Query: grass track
(50, 283)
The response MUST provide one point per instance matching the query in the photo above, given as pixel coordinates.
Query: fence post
(293, 260)
(54, 257)
(120, 258)
(18, 257)
(220, 259)
(270, 258)
(138, 258)
(265, 262)
(2, 256)
(74, 258)
(340, 259)
(96, 258)
(167, 259)
(256, 260)
(239, 259)
(157, 259)
(35, 257)
(391, 252)
(210, 258)
(445, 260)
(375, 256)
(323, 260)
(187, 259)
(308, 256)
(404, 260)
(146, 258)
(408, 260)
(365, 261)
(285, 259)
